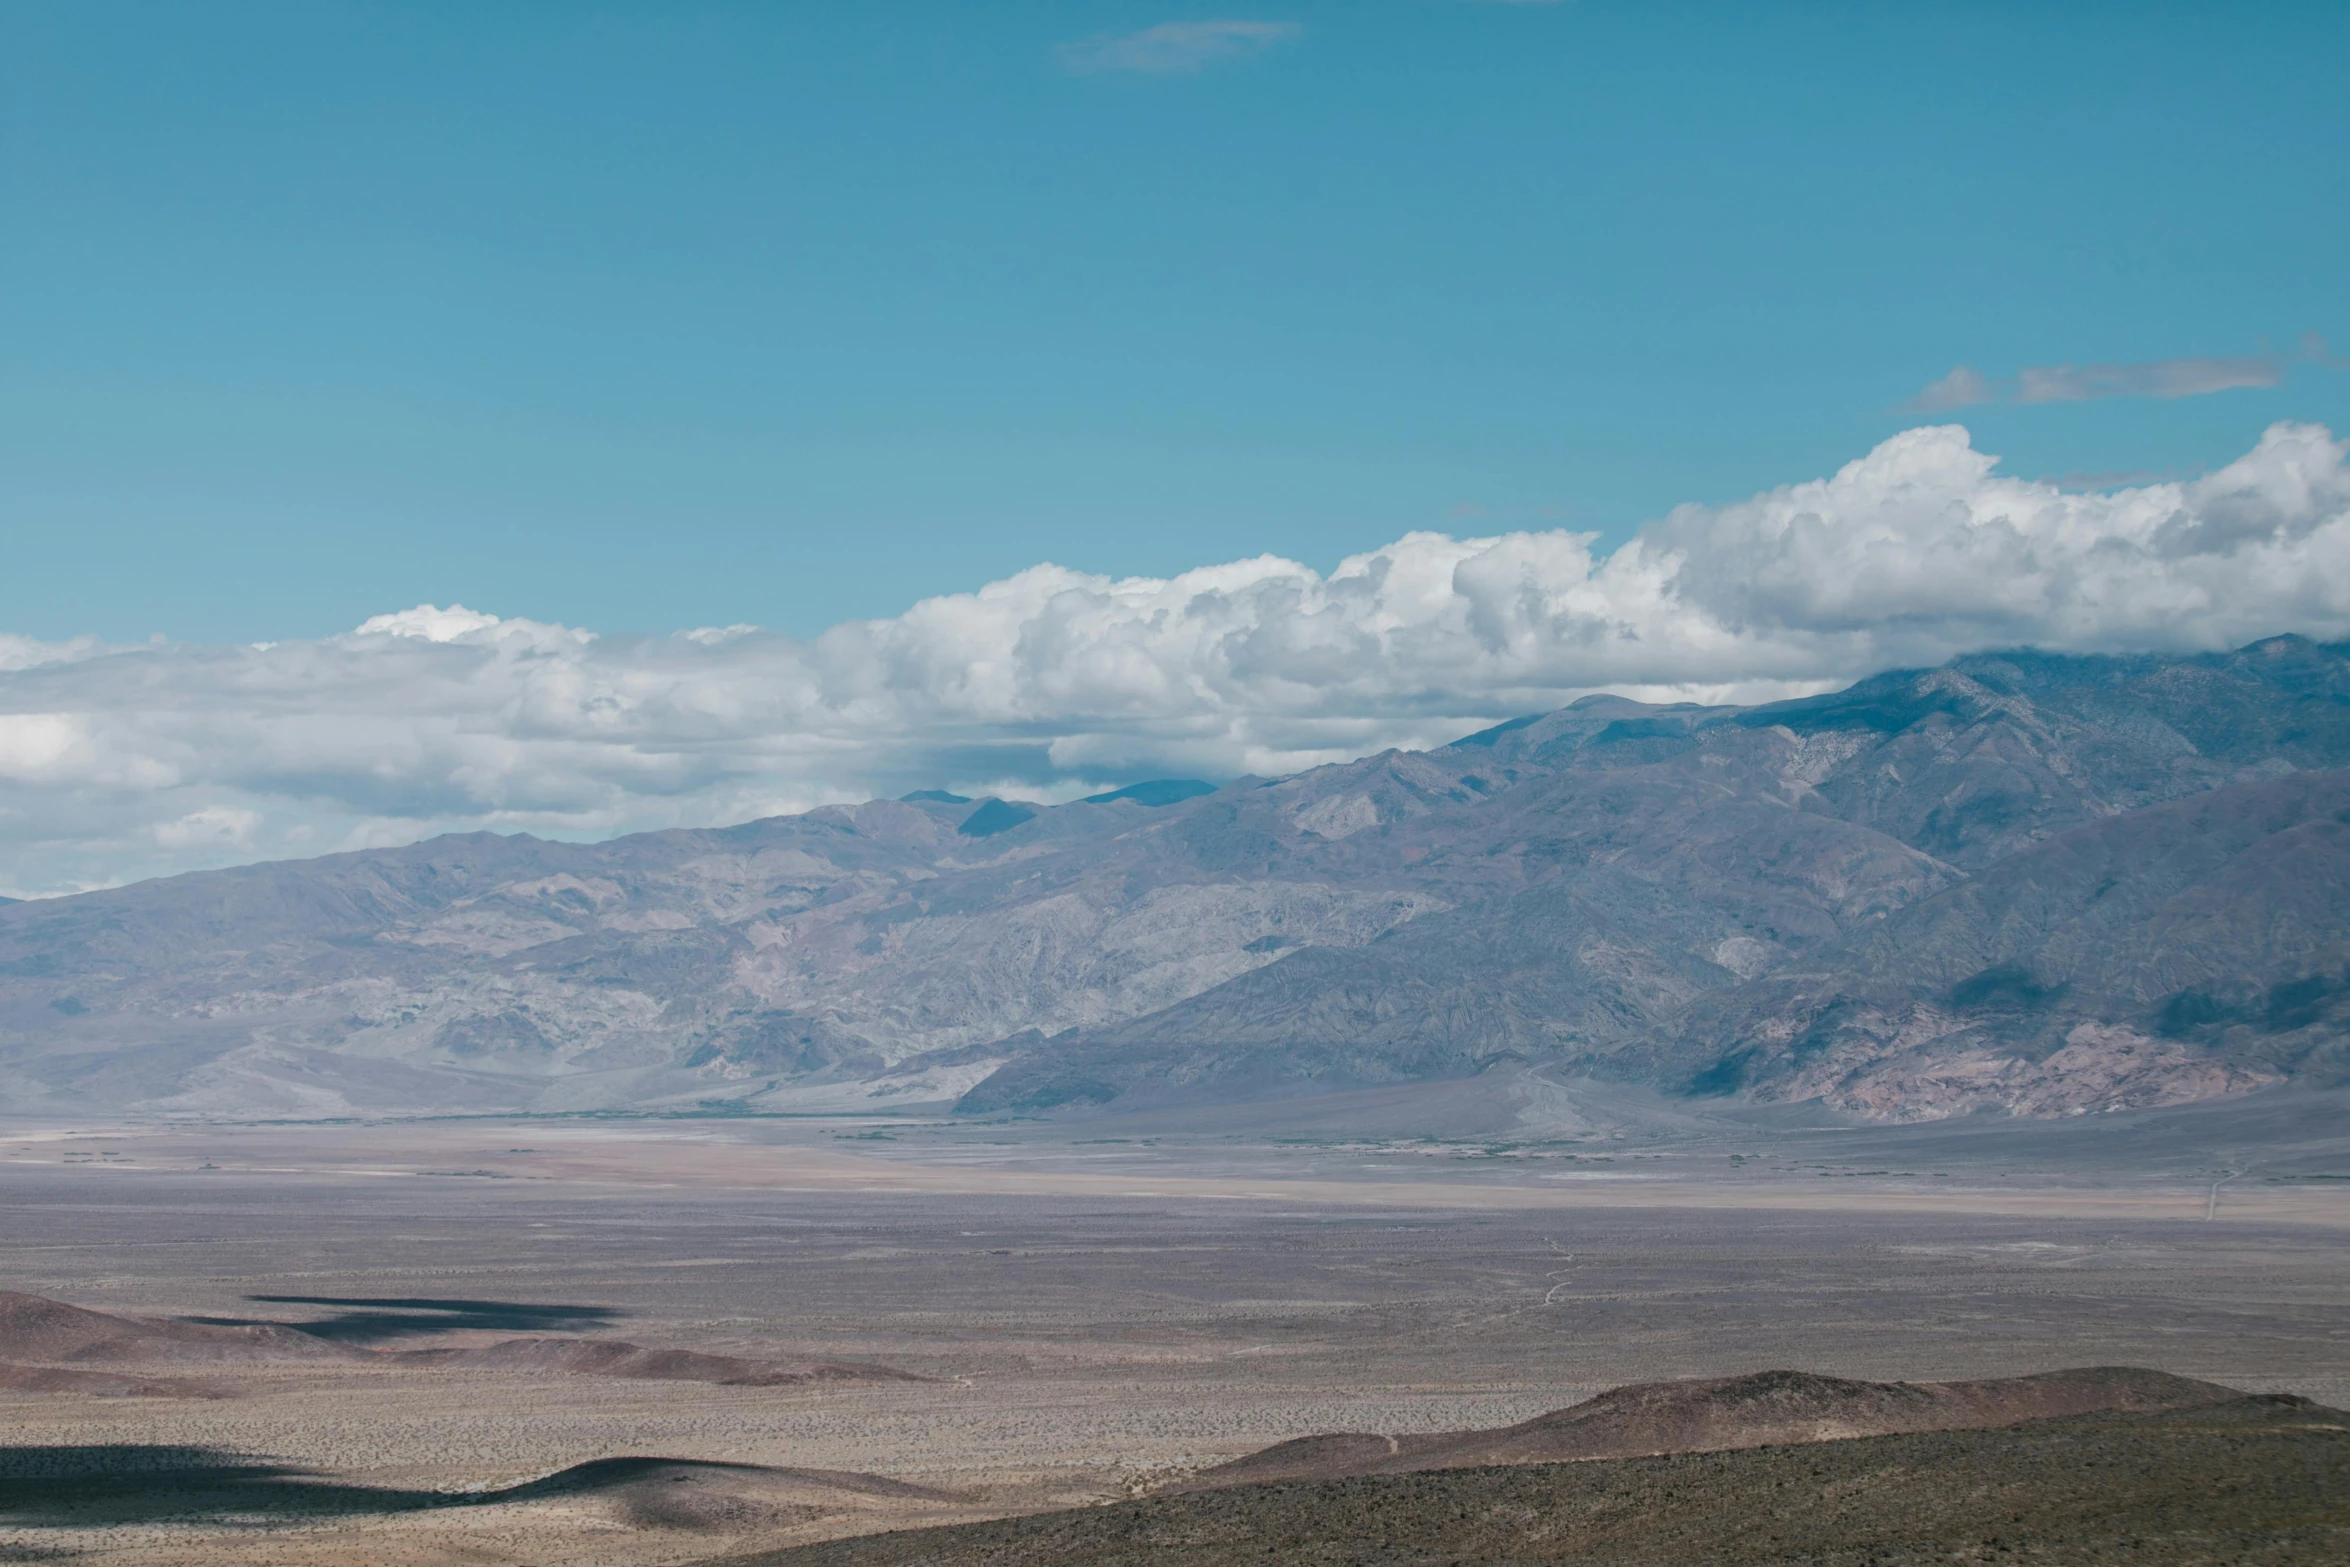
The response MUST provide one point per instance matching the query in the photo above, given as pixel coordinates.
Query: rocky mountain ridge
(1778, 902)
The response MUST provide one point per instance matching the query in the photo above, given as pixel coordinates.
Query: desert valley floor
(1093, 1310)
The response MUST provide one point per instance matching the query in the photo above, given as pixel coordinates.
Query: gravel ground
(1088, 1337)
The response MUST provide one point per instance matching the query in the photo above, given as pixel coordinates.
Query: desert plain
(1062, 1314)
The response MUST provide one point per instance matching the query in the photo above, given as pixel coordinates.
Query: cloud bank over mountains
(120, 762)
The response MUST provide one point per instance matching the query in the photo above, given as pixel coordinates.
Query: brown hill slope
(1762, 1409)
(2254, 1480)
(35, 1330)
(619, 1358)
(102, 1384)
(679, 1493)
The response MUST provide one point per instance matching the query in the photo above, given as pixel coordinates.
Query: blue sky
(648, 316)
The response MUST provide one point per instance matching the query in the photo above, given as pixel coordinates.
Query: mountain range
(2021, 882)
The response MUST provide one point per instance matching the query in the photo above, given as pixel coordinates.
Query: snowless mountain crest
(2028, 882)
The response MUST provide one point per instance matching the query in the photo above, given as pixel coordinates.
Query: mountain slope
(512, 973)
(1687, 850)
(2196, 947)
(1651, 888)
(1628, 886)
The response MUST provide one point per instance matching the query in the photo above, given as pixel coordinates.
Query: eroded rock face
(2102, 1067)
(2034, 884)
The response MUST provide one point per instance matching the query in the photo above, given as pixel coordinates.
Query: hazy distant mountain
(2043, 883)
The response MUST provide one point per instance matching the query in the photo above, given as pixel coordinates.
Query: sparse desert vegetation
(2252, 1481)
(1094, 1317)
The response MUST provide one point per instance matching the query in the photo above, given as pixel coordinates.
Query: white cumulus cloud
(122, 762)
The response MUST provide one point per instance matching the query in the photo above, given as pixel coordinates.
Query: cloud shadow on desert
(367, 1320)
(112, 1484)
(116, 1485)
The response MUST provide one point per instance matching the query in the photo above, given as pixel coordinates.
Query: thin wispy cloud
(1174, 48)
(1963, 387)
(1967, 387)
(2161, 378)
(133, 760)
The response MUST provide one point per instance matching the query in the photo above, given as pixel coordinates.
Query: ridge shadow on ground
(131, 1483)
(120, 1484)
(364, 1320)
